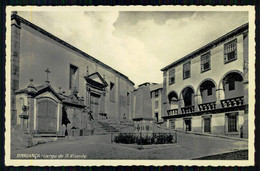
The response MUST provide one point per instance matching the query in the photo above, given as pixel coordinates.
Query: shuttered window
(172, 76)
(205, 62)
(230, 51)
(186, 70)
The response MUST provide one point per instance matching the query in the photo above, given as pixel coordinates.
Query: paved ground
(189, 146)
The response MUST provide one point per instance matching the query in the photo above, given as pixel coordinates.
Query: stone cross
(48, 72)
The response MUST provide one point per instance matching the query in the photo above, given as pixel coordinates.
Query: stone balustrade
(232, 102)
(172, 112)
(207, 106)
(187, 109)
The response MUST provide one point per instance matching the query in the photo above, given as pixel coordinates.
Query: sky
(137, 43)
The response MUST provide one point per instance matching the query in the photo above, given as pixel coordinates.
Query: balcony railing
(188, 109)
(172, 112)
(237, 101)
(207, 106)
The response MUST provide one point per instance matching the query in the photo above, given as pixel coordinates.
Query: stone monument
(143, 120)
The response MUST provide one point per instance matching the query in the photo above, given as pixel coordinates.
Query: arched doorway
(187, 95)
(233, 90)
(233, 85)
(207, 92)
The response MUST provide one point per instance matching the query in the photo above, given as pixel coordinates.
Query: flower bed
(155, 138)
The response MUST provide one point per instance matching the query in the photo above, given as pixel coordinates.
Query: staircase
(108, 126)
(99, 129)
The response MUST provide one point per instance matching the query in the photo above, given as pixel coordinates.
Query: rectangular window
(186, 70)
(156, 105)
(156, 93)
(205, 62)
(232, 122)
(73, 79)
(172, 124)
(112, 92)
(230, 51)
(172, 76)
(128, 98)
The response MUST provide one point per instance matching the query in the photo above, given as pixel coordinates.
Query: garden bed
(144, 139)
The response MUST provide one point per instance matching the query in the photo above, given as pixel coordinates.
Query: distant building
(82, 87)
(207, 90)
(156, 98)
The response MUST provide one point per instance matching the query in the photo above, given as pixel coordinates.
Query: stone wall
(34, 59)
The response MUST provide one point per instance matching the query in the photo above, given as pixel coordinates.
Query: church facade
(207, 90)
(53, 84)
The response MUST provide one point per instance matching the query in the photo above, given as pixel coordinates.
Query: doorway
(156, 117)
(94, 104)
(207, 125)
(187, 124)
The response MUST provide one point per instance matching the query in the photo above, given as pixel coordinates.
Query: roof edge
(44, 32)
(236, 31)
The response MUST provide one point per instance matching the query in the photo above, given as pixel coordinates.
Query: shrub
(131, 138)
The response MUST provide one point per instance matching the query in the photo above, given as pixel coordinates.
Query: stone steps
(108, 126)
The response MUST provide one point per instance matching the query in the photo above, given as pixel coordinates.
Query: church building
(54, 84)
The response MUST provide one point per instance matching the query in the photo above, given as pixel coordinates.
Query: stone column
(198, 100)
(15, 60)
(220, 96)
(180, 105)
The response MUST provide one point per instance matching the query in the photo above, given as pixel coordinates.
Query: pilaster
(15, 60)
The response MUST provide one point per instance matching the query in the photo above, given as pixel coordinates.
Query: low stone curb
(213, 135)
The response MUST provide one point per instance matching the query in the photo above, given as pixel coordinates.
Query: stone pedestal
(143, 120)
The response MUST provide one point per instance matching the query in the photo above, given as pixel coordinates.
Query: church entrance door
(46, 116)
(94, 104)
